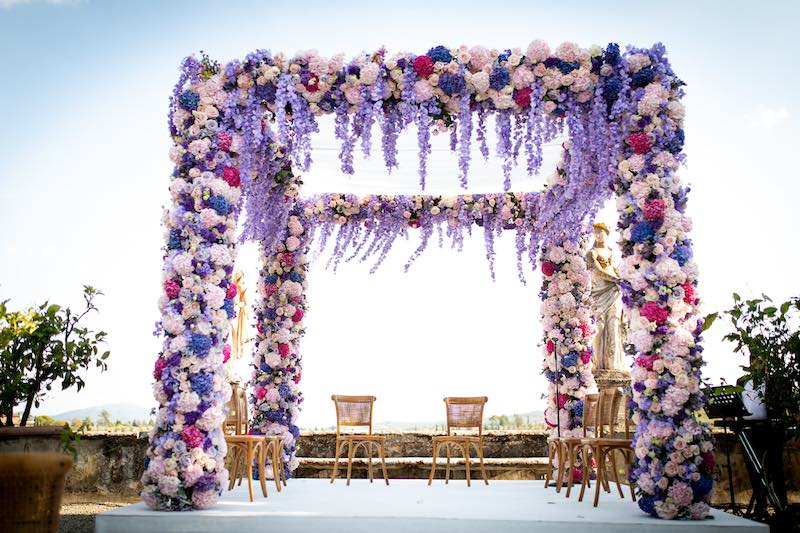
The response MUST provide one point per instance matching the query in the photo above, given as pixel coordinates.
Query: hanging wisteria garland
(674, 458)
(276, 370)
(368, 226)
(624, 121)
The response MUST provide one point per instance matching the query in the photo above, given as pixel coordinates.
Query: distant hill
(124, 412)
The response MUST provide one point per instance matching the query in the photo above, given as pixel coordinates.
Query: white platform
(308, 505)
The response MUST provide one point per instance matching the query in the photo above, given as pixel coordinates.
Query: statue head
(601, 231)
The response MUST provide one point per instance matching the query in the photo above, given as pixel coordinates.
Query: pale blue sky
(84, 173)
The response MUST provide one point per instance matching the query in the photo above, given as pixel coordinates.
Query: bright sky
(84, 173)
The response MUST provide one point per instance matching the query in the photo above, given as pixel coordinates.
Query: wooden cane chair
(607, 442)
(462, 414)
(567, 449)
(355, 412)
(244, 449)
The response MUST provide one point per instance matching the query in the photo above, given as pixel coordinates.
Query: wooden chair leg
(447, 466)
(612, 453)
(549, 474)
(369, 459)
(585, 472)
(601, 474)
(465, 449)
(433, 464)
(262, 467)
(249, 468)
(382, 450)
(570, 466)
(560, 458)
(350, 452)
(277, 468)
(339, 447)
(479, 448)
(234, 471)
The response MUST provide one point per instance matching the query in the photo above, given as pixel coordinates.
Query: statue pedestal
(612, 379)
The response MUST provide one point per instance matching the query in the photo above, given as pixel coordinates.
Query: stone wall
(114, 463)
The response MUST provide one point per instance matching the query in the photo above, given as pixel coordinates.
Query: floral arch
(241, 129)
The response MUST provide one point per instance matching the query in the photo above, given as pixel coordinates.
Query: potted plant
(42, 346)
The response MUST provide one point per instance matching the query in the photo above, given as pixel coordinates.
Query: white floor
(410, 505)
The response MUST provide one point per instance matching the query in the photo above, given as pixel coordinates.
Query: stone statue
(606, 305)
(238, 323)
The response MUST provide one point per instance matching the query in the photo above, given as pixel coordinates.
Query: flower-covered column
(568, 330)
(275, 393)
(674, 457)
(184, 467)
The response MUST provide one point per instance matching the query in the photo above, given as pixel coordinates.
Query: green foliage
(43, 346)
(769, 335)
(44, 420)
(71, 438)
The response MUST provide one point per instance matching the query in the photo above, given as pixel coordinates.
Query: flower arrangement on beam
(369, 225)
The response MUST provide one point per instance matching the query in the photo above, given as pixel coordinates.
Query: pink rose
(551, 346)
(261, 392)
(586, 356)
(226, 353)
(284, 349)
(298, 315)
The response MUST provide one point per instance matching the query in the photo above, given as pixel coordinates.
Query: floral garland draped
(276, 372)
(674, 458)
(241, 129)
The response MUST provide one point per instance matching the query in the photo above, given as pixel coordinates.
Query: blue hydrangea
(577, 408)
(504, 56)
(284, 390)
(228, 307)
(566, 67)
(294, 430)
(266, 92)
(682, 254)
(271, 278)
(571, 359)
(269, 313)
(189, 100)
(440, 53)
(612, 54)
(648, 505)
(702, 486)
(611, 89)
(499, 78)
(643, 77)
(452, 83)
(199, 344)
(174, 239)
(202, 383)
(675, 144)
(642, 232)
(220, 205)
(296, 277)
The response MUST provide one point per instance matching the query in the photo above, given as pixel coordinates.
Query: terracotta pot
(31, 486)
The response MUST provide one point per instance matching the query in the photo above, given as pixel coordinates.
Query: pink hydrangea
(192, 436)
(204, 499)
(681, 494)
(654, 312)
(172, 288)
(261, 392)
(646, 361)
(654, 210)
(639, 142)
(284, 349)
(224, 140)
(479, 57)
(586, 356)
(231, 176)
(548, 268)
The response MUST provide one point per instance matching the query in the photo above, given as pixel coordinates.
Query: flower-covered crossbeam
(240, 132)
(369, 225)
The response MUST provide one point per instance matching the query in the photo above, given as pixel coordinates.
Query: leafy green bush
(42, 346)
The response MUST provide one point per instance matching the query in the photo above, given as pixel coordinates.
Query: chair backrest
(353, 411)
(590, 413)
(607, 413)
(465, 413)
(236, 422)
